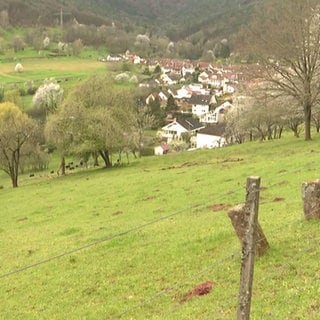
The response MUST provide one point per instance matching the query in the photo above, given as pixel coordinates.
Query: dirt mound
(199, 290)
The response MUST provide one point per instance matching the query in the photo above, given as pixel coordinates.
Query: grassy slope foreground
(128, 243)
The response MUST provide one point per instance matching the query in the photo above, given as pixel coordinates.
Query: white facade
(200, 110)
(209, 141)
(172, 131)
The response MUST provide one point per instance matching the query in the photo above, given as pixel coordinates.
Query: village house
(177, 128)
(201, 103)
(161, 96)
(166, 80)
(114, 58)
(217, 115)
(211, 137)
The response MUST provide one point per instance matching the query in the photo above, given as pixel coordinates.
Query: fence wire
(206, 270)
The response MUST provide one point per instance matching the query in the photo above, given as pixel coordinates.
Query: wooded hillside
(195, 21)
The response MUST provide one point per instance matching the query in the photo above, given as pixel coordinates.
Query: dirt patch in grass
(149, 198)
(184, 165)
(199, 290)
(22, 219)
(219, 207)
(278, 199)
(116, 213)
(232, 160)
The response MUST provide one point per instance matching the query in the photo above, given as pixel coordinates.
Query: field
(63, 69)
(53, 67)
(68, 71)
(130, 242)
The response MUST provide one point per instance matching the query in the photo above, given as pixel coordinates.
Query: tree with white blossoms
(48, 96)
(143, 44)
(46, 42)
(18, 68)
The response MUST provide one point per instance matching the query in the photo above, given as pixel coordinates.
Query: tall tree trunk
(62, 167)
(14, 179)
(307, 122)
(106, 158)
(95, 156)
(15, 168)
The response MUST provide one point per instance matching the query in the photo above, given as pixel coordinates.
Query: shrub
(148, 151)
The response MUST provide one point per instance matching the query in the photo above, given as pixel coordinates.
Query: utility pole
(61, 18)
(60, 14)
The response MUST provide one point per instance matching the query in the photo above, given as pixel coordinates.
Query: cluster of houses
(206, 124)
(198, 98)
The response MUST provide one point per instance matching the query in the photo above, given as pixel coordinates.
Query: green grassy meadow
(60, 68)
(130, 242)
(68, 71)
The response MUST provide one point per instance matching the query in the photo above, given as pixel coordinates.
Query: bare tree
(144, 120)
(285, 37)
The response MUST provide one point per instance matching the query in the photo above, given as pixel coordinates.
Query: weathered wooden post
(245, 221)
(311, 199)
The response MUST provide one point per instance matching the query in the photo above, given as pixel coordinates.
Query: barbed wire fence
(208, 269)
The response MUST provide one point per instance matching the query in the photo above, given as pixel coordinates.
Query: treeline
(179, 29)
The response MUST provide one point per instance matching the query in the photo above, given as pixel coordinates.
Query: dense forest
(185, 28)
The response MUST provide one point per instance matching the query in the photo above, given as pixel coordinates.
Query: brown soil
(199, 290)
(219, 207)
(117, 213)
(278, 199)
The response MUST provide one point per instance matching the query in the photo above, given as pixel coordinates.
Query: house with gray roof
(211, 136)
(176, 128)
(201, 103)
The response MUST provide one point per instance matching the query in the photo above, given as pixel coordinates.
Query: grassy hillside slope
(129, 242)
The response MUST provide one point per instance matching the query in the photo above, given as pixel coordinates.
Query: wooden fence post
(248, 249)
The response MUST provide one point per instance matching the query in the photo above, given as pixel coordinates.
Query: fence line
(106, 239)
(217, 263)
(110, 238)
(144, 225)
(235, 253)
(278, 230)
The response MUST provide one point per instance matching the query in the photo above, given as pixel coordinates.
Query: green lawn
(129, 242)
(62, 68)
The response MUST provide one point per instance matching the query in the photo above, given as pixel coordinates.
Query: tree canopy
(48, 96)
(285, 37)
(17, 134)
(96, 117)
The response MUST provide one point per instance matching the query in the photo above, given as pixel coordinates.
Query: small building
(161, 150)
(211, 137)
(217, 115)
